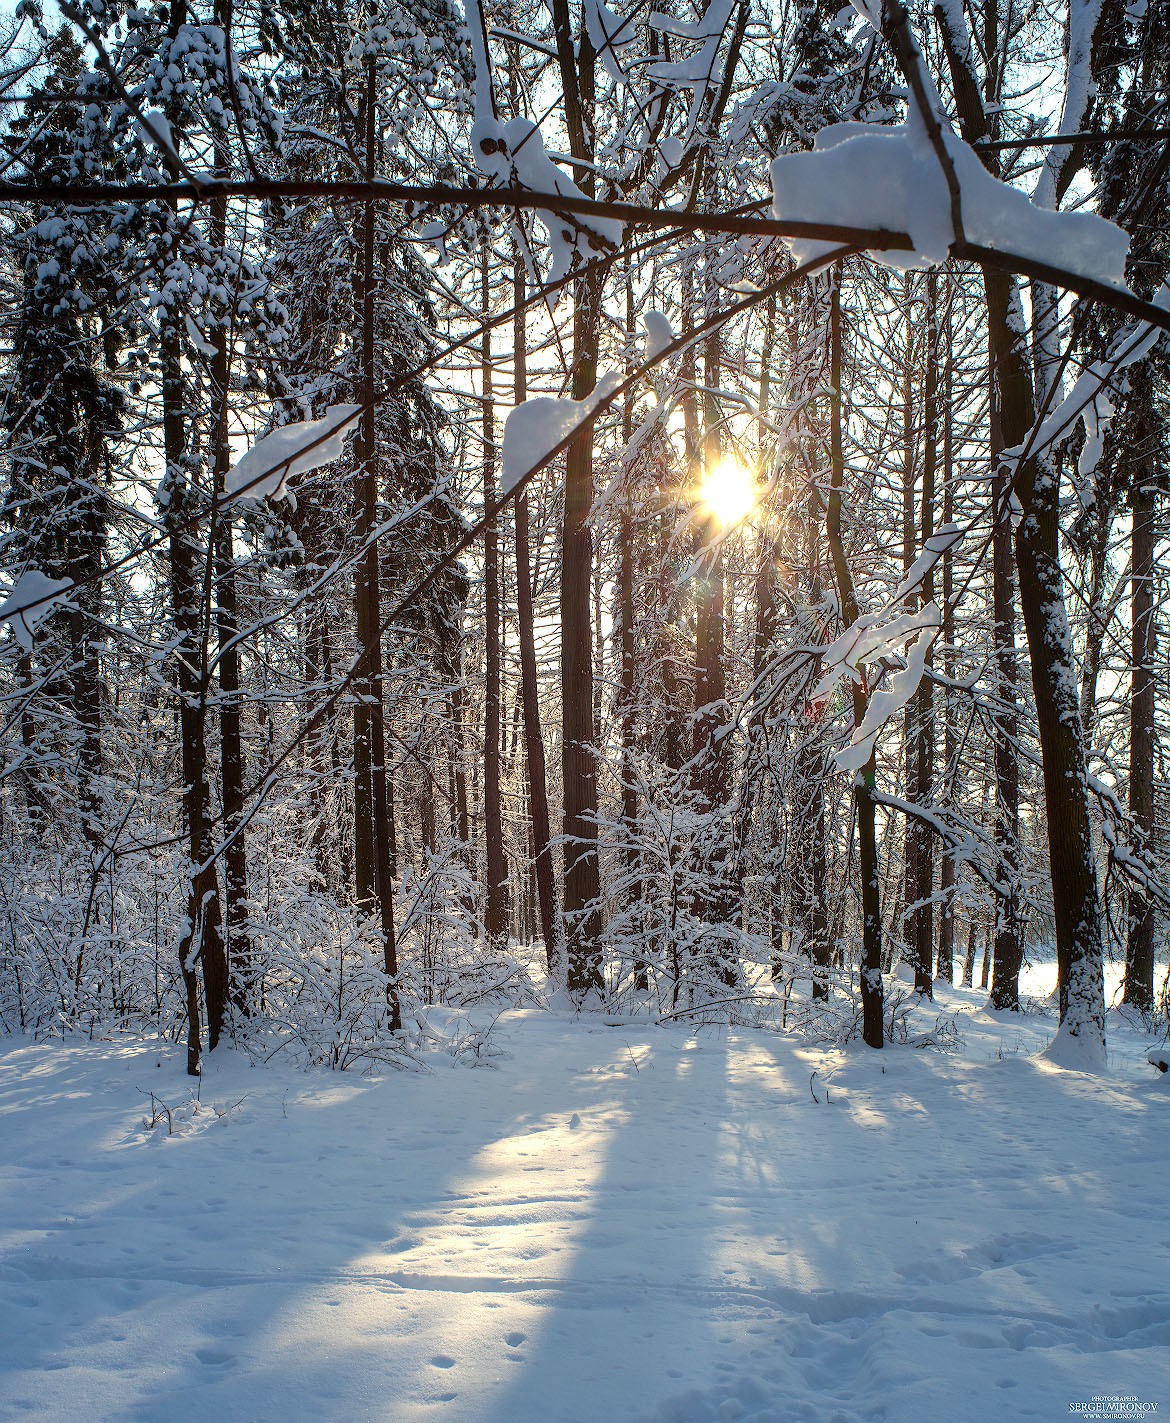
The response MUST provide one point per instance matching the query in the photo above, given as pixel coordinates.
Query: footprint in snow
(443, 1361)
(213, 1357)
(515, 1339)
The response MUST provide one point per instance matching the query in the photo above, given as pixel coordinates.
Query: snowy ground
(611, 1223)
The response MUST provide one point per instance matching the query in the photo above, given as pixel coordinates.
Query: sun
(728, 491)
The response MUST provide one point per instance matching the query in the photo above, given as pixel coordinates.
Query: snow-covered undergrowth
(603, 1223)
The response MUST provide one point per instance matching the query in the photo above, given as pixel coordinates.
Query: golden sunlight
(728, 491)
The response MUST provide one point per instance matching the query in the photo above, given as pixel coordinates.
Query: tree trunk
(911, 838)
(372, 850)
(496, 861)
(922, 919)
(231, 755)
(945, 968)
(714, 901)
(864, 781)
(529, 686)
(1005, 985)
(628, 692)
(201, 940)
(1139, 949)
(582, 891)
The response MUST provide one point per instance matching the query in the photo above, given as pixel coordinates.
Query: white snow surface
(535, 428)
(659, 333)
(32, 597)
(887, 702)
(836, 184)
(624, 1222)
(304, 445)
(513, 153)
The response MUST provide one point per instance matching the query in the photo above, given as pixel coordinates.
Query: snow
(698, 70)
(835, 184)
(154, 130)
(32, 597)
(887, 702)
(876, 635)
(1089, 399)
(659, 334)
(536, 427)
(304, 445)
(513, 153)
(944, 540)
(612, 1223)
(611, 37)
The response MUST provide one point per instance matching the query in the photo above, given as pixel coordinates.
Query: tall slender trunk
(864, 781)
(529, 685)
(628, 692)
(912, 839)
(86, 540)
(231, 754)
(1139, 948)
(372, 846)
(922, 918)
(582, 882)
(496, 861)
(1005, 983)
(715, 903)
(582, 879)
(945, 968)
(201, 940)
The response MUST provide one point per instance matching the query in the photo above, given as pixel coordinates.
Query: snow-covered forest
(525, 519)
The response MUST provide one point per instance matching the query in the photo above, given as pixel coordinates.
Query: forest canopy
(651, 509)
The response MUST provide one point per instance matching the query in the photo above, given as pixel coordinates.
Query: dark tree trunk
(582, 880)
(922, 918)
(496, 863)
(628, 691)
(912, 837)
(864, 781)
(231, 754)
(201, 940)
(582, 890)
(1005, 985)
(714, 904)
(945, 969)
(372, 846)
(1139, 950)
(529, 687)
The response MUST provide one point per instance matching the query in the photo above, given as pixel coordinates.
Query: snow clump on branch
(889, 178)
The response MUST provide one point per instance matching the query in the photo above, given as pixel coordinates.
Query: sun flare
(728, 491)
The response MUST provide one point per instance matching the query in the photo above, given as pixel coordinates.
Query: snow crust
(887, 702)
(659, 333)
(513, 153)
(969, 1236)
(304, 445)
(877, 636)
(889, 177)
(536, 427)
(32, 597)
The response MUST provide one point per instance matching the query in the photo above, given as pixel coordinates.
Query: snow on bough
(263, 471)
